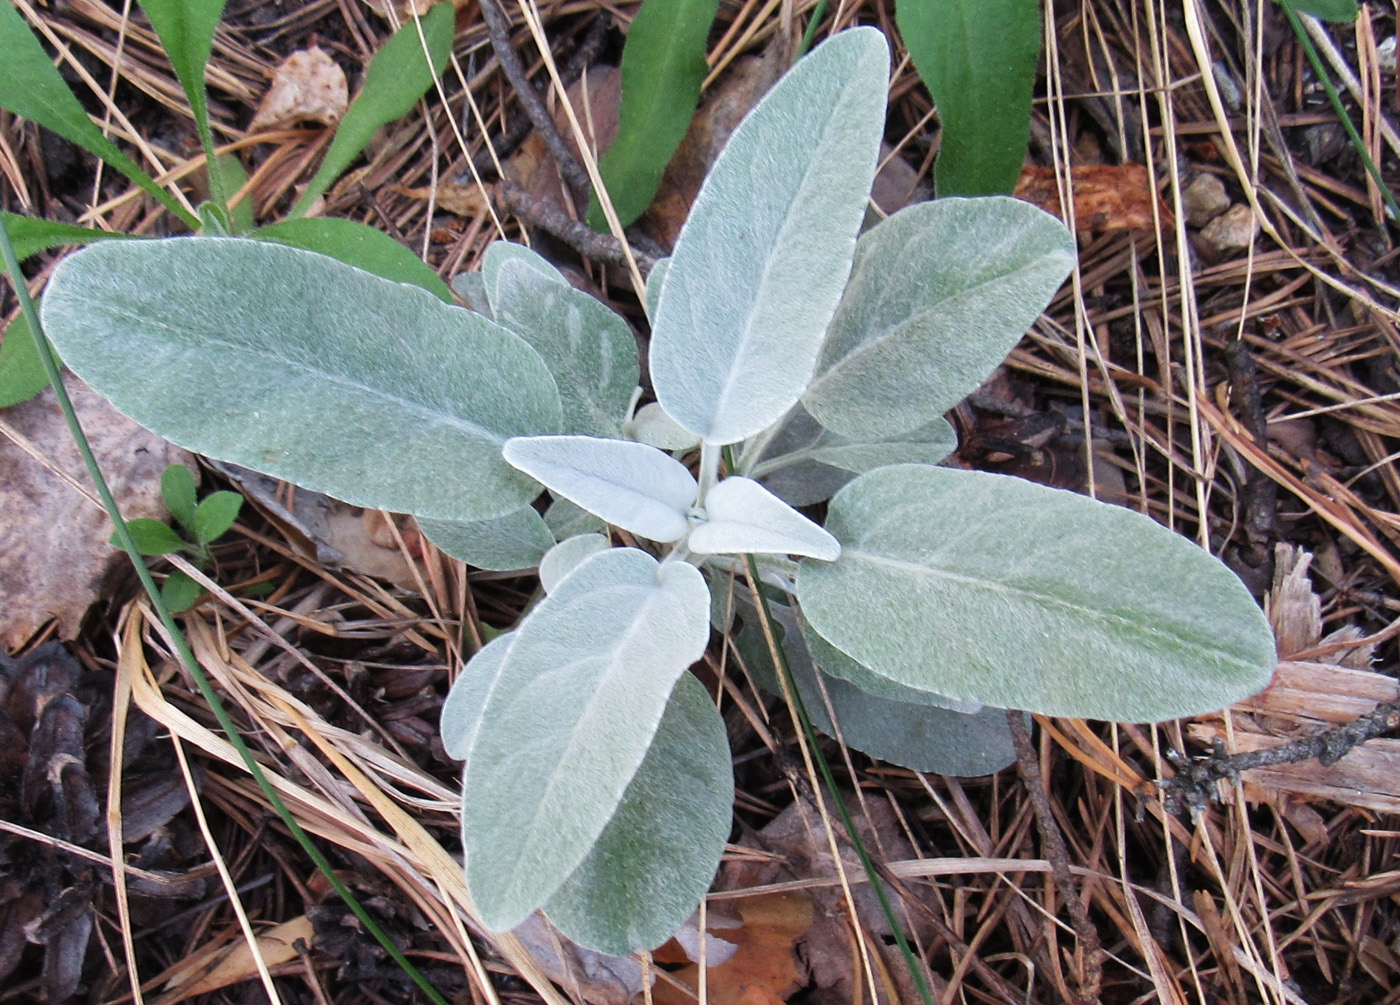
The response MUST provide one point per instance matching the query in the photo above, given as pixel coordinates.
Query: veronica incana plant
(819, 360)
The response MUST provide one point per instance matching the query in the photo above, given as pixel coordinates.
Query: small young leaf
(359, 245)
(760, 263)
(178, 490)
(31, 236)
(630, 485)
(22, 373)
(663, 66)
(1339, 11)
(988, 588)
(461, 712)
(186, 31)
(589, 348)
(215, 515)
(939, 294)
(569, 720)
(658, 854)
(180, 592)
(517, 540)
(744, 517)
(978, 59)
(397, 77)
(568, 555)
(652, 426)
(304, 368)
(498, 253)
(32, 88)
(151, 537)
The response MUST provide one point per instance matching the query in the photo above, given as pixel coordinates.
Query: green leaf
(215, 515)
(470, 288)
(742, 517)
(186, 30)
(837, 664)
(987, 588)
(151, 537)
(500, 253)
(663, 66)
(30, 235)
(397, 77)
(1340, 11)
(359, 245)
(178, 491)
(517, 540)
(461, 712)
(234, 177)
(306, 369)
(939, 294)
(22, 373)
(32, 88)
(657, 856)
(589, 348)
(566, 519)
(180, 592)
(569, 720)
(568, 555)
(978, 60)
(760, 263)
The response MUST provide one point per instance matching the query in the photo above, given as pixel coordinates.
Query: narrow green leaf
(397, 77)
(658, 854)
(22, 373)
(939, 294)
(31, 235)
(180, 592)
(152, 537)
(304, 368)
(178, 490)
(517, 540)
(1340, 11)
(589, 348)
(215, 515)
(663, 66)
(987, 588)
(761, 262)
(978, 59)
(569, 721)
(233, 177)
(32, 88)
(186, 30)
(359, 245)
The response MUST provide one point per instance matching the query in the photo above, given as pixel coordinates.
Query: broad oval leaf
(569, 721)
(988, 588)
(517, 540)
(589, 348)
(461, 712)
(302, 367)
(215, 515)
(568, 555)
(658, 854)
(177, 489)
(470, 288)
(759, 265)
(499, 253)
(837, 664)
(359, 245)
(630, 485)
(741, 516)
(939, 294)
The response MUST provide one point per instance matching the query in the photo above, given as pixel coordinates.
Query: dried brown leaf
(308, 86)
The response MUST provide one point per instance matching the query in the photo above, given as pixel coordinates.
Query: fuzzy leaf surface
(589, 348)
(744, 517)
(663, 66)
(939, 294)
(568, 555)
(302, 367)
(659, 852)
(499, 253)
(569, 721)
(837, 664)
(461, 712)
(630, 485)
(360, 245)
(987, 588)
(760, 263)
(517, 540)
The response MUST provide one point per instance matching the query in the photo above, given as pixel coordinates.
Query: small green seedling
(795, 360)
(203, 521)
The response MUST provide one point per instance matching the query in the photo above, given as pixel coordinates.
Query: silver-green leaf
(760, 263)
(568, 555)
(940, 292)
(992, 589)
(569, 720)
(517, 540)
(744, 517)
(305, 368)
(461, 712)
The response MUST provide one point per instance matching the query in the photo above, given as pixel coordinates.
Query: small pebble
(1204, 200)
(1233, 230)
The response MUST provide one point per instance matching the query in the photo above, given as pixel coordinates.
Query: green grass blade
(398, 76)
(663, 66)
(31, 235)
(977, 58)
(1340, 11)
(31, 87)
(196, 672)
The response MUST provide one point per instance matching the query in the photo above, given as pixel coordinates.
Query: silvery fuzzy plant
(597, 782)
